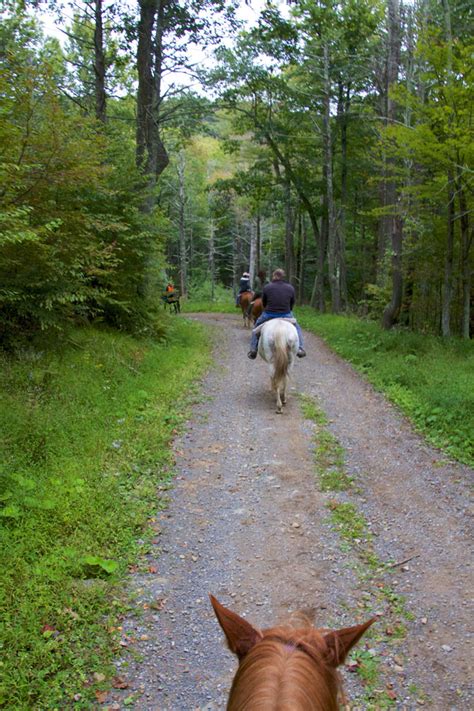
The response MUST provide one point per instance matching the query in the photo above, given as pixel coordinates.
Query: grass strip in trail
(85, 439)
(430, 379)
(357, 538)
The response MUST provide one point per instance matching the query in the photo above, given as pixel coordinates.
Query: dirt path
(247, 522)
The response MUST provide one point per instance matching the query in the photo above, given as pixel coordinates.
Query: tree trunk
(259, 242)
(99, 65)
(289, 232)
(253, 251)
(333, 265)
(466, 242)
(318, 290)
(448, 264)
(392, 310)
(302, 263)
(151, 154)
(211, 259)
(343, 110)
(182, 225)
(387, 188)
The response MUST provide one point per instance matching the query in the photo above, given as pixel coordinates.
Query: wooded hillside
(334, 139)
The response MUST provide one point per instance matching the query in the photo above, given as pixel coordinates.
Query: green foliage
(74, 243)
(431, 380)
(84, 436)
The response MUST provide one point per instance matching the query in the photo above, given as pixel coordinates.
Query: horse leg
(279, 401)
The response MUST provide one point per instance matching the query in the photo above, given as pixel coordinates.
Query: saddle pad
(259, 328)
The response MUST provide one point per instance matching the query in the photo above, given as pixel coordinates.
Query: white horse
(277, 346)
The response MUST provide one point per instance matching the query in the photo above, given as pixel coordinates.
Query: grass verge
(357, 538)
(430, 379)
(85, 439)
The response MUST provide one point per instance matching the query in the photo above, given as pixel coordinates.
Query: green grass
(430, 379)
(328, 453)
(84, 437)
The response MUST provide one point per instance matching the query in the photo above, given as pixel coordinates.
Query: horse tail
(281, 358)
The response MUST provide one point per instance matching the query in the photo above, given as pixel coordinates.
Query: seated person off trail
(278, 300)
(244, 285)
(170, 298)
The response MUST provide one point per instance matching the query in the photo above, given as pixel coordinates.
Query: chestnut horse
(245, 299)
(257, 308)
(283, 668)
(277, 346)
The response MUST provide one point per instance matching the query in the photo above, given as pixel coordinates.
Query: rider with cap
(243, 286)
(278, 299)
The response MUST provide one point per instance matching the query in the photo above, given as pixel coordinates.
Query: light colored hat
(246, 274)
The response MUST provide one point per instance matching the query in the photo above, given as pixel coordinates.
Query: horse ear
(240, 634)
(340, 642)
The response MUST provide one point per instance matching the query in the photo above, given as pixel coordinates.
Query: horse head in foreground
(277, 346)
(283, 668)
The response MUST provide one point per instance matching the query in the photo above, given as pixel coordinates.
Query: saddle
(257, 330)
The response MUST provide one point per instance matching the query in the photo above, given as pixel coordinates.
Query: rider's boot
(301, 353)
(252, 354)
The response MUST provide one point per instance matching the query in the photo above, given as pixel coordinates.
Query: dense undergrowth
(430, 379)
(84, 437)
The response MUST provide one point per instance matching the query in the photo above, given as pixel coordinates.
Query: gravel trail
(247, 522)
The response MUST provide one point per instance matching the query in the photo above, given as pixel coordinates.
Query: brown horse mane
(297, 675)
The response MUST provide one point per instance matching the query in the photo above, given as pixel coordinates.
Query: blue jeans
(266, 316)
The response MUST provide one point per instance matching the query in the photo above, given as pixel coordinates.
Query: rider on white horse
(278, 299)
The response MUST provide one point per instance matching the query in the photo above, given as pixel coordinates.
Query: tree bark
(302, 262)
(211, 258)
(289, 233)
(333, 265)
(387, 187)
(259, 242)
(466, 242)
(151, 154)
(253, 251)
(182, 225)
(99, 65)
(392, 310)
(448, 264)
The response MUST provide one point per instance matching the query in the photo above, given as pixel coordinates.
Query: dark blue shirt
(278, 297)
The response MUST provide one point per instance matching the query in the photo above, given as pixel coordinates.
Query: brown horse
(283, 668)
(257, 308)
(245, 299)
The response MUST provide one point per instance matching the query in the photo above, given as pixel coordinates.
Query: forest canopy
(331, 138)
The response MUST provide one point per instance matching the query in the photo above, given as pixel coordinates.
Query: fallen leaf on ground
(159, 603)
